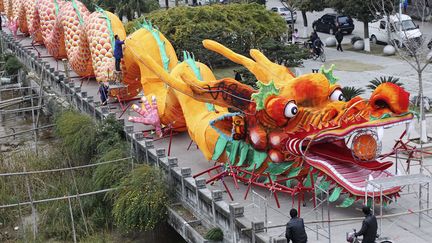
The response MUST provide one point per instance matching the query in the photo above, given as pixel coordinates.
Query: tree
(237, 26)
(128, 8)
(413, 51)
(359, 10)
(307, 6)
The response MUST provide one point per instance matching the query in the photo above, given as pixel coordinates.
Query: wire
(61, 169)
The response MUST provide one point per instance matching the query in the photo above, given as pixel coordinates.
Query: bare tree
(413, 51)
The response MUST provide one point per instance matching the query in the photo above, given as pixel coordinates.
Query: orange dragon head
(306, 122)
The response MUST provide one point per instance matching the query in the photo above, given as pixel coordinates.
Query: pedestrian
(339, 38)
(369, 227)
(238, 76)
(103, 92)
(1, 22)
(295, 36)
(295, 229)
(118, 52)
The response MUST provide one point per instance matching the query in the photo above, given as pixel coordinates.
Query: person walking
(295, 36)
(369, 227)
(339, 38)
(295, 229)
(118, 52)
(238, 76)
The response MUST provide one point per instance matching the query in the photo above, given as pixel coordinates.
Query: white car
(285, 13)
(402, 30)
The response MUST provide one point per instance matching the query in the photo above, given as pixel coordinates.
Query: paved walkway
(400, 229)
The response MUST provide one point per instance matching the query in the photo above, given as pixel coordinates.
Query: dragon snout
(389, 97)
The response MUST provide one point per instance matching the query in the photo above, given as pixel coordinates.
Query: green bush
(78, 135)
(214, 234)
(237, 26)
(12, 65)
(140, 203)
(287, 55)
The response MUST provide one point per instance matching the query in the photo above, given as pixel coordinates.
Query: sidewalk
(357, 69)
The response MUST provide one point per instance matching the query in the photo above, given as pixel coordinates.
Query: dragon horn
(225, 92)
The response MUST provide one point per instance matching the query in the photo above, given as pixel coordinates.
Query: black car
(331, 22)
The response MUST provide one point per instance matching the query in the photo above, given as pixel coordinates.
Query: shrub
(237, 26)
(12, 65)
(214, 234)
(351, 92)
(78, 134)
(374, 83)
(140, 203)
(287, 55)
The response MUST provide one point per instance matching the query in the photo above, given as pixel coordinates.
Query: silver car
(285, 13)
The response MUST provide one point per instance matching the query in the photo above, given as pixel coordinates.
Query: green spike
(161, 44)
(258, 159)
(329, 74)
(265, 90)
(234, 150)
(308, 181)
(293, 172)
(219, 148)
(335, 194)
(347, 202)
(278, 168)
(244, 149)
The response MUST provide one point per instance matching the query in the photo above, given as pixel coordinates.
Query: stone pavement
(400, 229)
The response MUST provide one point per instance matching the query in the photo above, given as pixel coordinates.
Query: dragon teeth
(380, 133)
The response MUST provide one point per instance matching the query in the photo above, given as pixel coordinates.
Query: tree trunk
(305, 23)
(423, 131)
(166, 4)
(366, 29)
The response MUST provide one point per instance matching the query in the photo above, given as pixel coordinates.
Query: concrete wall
(205, 204)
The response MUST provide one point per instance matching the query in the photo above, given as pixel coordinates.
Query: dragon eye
(337, 95)
(290, 109)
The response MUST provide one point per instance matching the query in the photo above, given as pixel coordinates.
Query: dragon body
(291, 127)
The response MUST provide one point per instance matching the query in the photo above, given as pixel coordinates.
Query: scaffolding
(376, 187)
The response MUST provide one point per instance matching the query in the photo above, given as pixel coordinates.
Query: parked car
(402, 30)
(429, 45)
(329, 23)
(285, 13)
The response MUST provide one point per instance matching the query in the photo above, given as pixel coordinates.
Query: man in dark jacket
(118, 52)
(339, 38)
(295, 230)
(369, 227)
(103, 92)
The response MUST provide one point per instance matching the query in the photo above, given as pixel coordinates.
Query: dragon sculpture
(291, 127)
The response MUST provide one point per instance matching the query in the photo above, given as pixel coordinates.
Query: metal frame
(378, 185)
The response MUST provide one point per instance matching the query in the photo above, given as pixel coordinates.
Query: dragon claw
(150, 115)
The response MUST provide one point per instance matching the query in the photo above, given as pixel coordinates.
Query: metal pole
(19, 210)
(420, 204)
(265, 213)
(32, 206)
(72, 221)
(33, 119)
(328, 218)
(381, 206)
